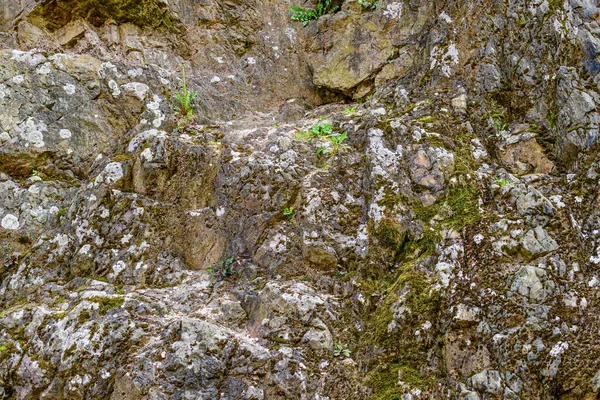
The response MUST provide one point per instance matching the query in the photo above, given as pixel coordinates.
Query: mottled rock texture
(448, 248)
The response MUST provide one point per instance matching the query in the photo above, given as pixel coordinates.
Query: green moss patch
(459, 209)
(107, 303)
(6, 350)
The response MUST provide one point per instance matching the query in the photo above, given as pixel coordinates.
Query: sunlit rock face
(395, 200)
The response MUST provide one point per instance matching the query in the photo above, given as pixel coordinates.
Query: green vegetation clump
(223, 269)
(350, 110)
(289, 212)
(185, 98)
(369, 4)
(460, 208)
(305, 15)
(337, 141)
(317, 130)
(325, 131)
(384, 381)
(502, 182)
(341, 350)
(107, 303)
(6, 350)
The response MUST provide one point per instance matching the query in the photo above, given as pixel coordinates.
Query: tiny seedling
(368, 4)
(350, 110)
(289, 212)
(341, 350)
(501, 126)
(523, 20)
(502, 182)
(337, 141)
(223, 269)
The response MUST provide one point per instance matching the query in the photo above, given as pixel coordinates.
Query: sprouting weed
(341, 350)
(350, 110)
(185, 99)
(223, 269)
(289, 212)
(502, 182)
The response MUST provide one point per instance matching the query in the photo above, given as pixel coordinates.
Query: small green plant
(35, 172)
(337, 141)
(289, 212)
(321, 129)
(305, 15)
(350, 110)
(501, 182)
(317, 130)
(325, 131)
(186, 99)
(552, 117)
(341, 350)
(223, 269)
(500, 124)
(368, 4)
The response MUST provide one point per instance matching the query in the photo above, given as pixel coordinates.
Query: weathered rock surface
(447, 249)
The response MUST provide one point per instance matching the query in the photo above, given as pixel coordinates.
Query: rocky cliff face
(448, 248)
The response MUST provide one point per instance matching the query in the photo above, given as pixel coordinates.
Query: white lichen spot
(43, 70)
(251, 60)
(215, 79)
(107, 66)
(126, 239)
(61, 240)
(136, 89)
(18, 79)
(85, 249)
(558, 349)
(134, 73)
(220, 211)
(64, 133)
(119, 267)
(142, 137)
(445, 17)
(557, 200)
(447, 59)
(147, 155)
(69, 89)
(10, 222)
(28, 57)
(478, 238)
(114, 86)
(154, 106)
(393, 11)
(378, 111)
(111, 173)
(279, 243)
(32, 132)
